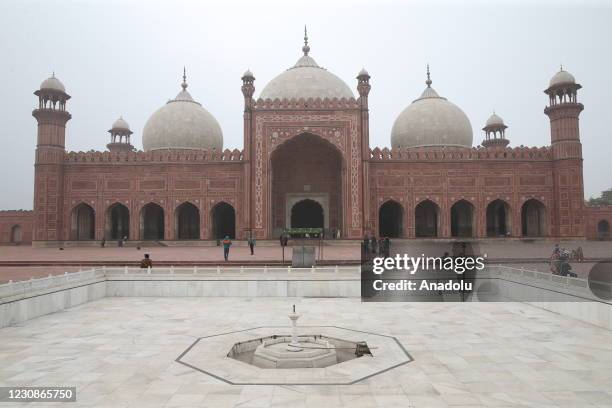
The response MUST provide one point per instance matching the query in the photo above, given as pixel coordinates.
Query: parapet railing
(460, 153)
(34, 285)
(22, 288)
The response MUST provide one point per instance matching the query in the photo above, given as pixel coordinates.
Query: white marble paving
(120, 352)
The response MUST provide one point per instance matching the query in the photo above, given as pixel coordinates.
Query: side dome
(121, 124)
(182, 124)
(431, 120)
(495, 120)
(562, 78)
(52, 83)
(306, 79)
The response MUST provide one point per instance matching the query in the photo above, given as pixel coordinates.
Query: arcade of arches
(310, 213)
(463, 220)
(321, 173)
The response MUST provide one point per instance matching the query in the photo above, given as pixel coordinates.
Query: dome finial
(306, 47)
(560, 67)
(428, 82)
(184, 84)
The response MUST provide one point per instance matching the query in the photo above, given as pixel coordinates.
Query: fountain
(295, 351)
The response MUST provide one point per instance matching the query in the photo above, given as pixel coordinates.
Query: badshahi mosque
(435, 181)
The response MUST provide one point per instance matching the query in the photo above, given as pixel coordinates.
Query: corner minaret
(52, 117)
(120, 137)
(495, 132)
(563, 110)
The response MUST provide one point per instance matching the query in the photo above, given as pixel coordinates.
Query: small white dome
(121, 124)
(306, 79)
(495, 120)
(561, 78)
(363, 72)
(52, 83)
(248, 74)
(182, 124)
(431, 121)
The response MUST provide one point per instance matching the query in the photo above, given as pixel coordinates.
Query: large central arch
(306, 167)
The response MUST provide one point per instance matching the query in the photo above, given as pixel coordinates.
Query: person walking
(227, 243)
(252, 245)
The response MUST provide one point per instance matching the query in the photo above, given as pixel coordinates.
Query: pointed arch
(603, 230)
(117, 222)
(82, 223)
(462, 219)
(223, 220)
(498, 218)
(16, 234)
(426, 219)
(533, 218)
(152, 225)
(187, 221)
(391, 219)
(307, 214)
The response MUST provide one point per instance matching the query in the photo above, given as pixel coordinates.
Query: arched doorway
(187, 221)
(307, 214)
(426, 219)
(83, 223)
(16, 234)
(223, 221)
(462, 219)
(603, 229)
(390, 219)
(498, 219)
(306, 167)
(152, 222)
(533, 218)
(117, 222)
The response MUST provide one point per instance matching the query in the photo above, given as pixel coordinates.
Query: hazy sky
(126, 58)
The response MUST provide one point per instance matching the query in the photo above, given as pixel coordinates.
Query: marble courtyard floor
(120, 352)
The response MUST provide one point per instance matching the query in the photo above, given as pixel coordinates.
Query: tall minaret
(49, 162)
(248, 89)
(563, 110)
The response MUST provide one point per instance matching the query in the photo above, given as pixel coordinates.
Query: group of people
(560, 260)
(120, 242)
(372, 246)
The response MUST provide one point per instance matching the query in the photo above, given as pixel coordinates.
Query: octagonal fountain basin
(312, 351)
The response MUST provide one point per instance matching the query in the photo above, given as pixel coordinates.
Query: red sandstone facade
(315, 151)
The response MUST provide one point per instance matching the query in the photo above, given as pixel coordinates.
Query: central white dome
(182, 124)
(306, 79)
(431, 120)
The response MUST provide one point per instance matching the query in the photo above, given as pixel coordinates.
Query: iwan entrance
(307, 186)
